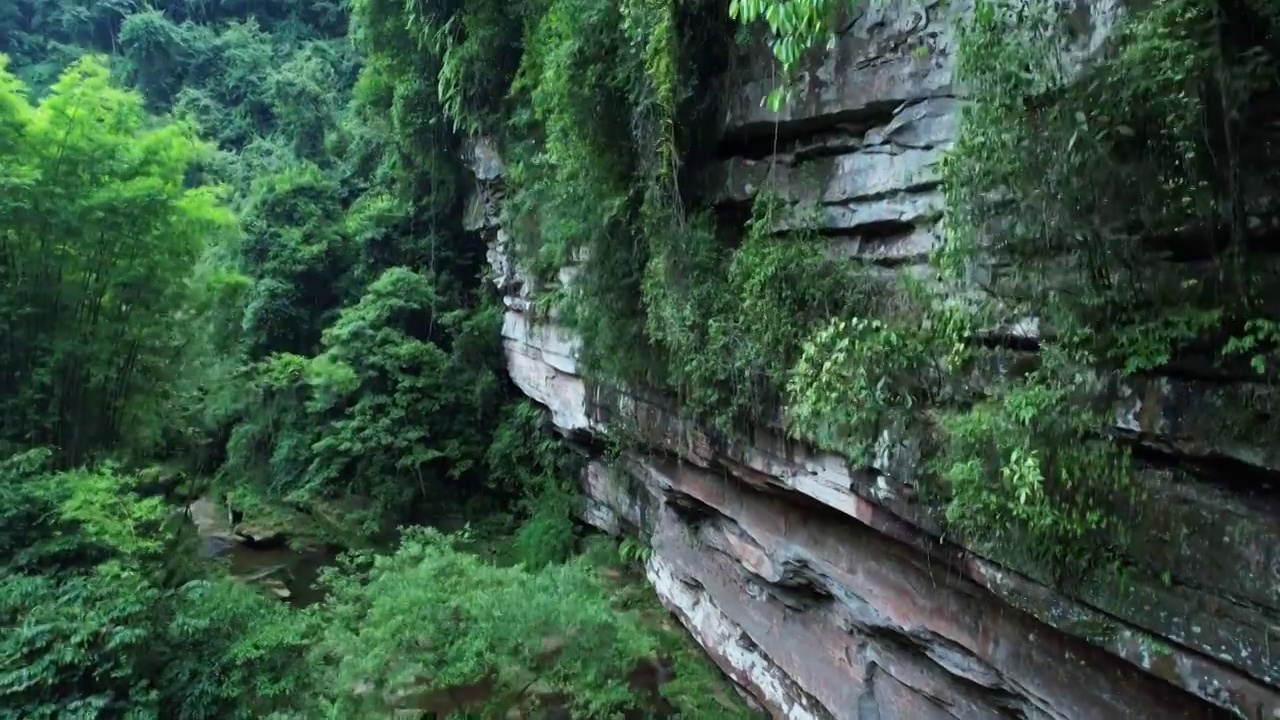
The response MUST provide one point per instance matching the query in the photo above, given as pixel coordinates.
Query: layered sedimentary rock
(828, 591)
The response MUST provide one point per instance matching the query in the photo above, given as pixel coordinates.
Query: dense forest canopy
(232, 266)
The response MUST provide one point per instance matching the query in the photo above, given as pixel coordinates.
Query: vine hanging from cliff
(795, 27)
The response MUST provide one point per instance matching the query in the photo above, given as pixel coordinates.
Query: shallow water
(283, 571)
(296, 569)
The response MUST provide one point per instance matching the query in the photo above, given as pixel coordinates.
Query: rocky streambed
(260, 554)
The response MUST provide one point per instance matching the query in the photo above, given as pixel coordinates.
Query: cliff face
(827, 591)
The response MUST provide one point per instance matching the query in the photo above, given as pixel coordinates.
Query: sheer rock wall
(827, 591)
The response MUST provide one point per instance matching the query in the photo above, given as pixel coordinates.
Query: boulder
(212, 527)
(260, 537)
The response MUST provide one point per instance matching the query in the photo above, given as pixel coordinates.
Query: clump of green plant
(1029, 476)
(1052, 196)
(1107, 176)
(103, 613)
(531, 464)
(634, 551)
(733, 323)
(867, 378)
(430, 618)
(1259, 343)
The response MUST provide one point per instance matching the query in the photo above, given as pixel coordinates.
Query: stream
(262, 558)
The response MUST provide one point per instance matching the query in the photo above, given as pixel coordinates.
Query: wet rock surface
(259, 536)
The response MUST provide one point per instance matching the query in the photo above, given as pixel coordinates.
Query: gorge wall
(830, 591)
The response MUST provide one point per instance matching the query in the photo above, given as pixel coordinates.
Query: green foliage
(477, 42)
(299, 255)
(156, 49)
(694, 686)
(334, 344)
(100, 238)
(1053, 202)
(1069, 192)
(601, 112)
(371, 364)
(430, 618)
(857, 384)
(549, 533)
(1260, 341)
(45, 37)
(572, 165)
(399, 391)
(111, 643)
(66, 520)
(98, 619)
(1030, 477)
(74, 647)
(593, 150)
(109, 514)
(733, 327)
(405, 401)
(633, 551)
(795, 26)
(247, 673)
(525, 459)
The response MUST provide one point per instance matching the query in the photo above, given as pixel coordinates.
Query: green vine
(795, 26)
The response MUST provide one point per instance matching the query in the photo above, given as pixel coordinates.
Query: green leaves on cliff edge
(795, 26)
